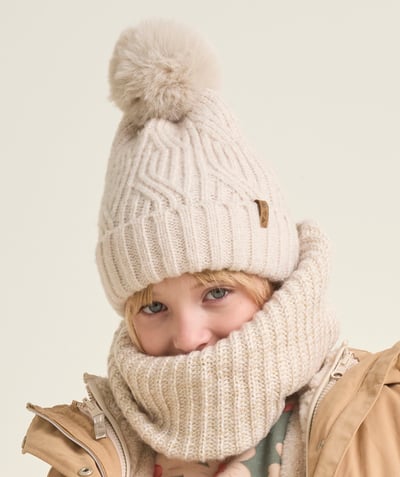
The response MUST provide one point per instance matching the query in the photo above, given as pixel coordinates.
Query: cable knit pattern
(223, 400)
(179, 197)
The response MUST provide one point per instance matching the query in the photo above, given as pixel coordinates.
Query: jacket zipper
(96, 408)
(102, 428)
(67, 434)
(344, 360)
(90, 408)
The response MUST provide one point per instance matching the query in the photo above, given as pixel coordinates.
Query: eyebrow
(216, 284)
(195, 286)
(198, 285)
(157, 294)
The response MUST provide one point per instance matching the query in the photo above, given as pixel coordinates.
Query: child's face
(186, 315)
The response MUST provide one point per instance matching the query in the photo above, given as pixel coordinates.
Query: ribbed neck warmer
(223, 400)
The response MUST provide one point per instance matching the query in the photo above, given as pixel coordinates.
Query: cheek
(153, 344)
(247, 307)
(242, 312)
(247, 310)
(152, 339)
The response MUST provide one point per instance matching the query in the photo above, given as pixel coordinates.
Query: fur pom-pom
(158, 69)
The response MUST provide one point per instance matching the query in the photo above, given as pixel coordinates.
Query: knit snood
(223, 400)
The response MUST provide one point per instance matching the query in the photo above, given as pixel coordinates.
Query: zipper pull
(97, 416)
(344, 364)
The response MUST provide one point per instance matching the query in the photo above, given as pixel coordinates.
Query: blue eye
(217, 294)
(152, 308)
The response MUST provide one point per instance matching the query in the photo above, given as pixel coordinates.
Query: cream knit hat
(183, 191)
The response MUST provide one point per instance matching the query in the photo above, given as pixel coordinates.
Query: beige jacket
(353, 430)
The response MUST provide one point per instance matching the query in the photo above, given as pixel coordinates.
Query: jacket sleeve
(63, 437)
(356, 431)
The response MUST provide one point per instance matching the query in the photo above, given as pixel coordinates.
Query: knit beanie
(183, 190)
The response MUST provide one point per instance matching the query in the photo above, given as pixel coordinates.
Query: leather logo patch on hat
(263, 212)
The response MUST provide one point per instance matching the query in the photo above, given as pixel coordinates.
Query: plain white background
(315, 85)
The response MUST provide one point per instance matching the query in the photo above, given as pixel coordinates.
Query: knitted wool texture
(181, 182)
(223, 400)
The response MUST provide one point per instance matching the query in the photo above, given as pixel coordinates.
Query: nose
(191, 332)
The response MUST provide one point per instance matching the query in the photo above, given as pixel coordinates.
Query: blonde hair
(259, 289)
